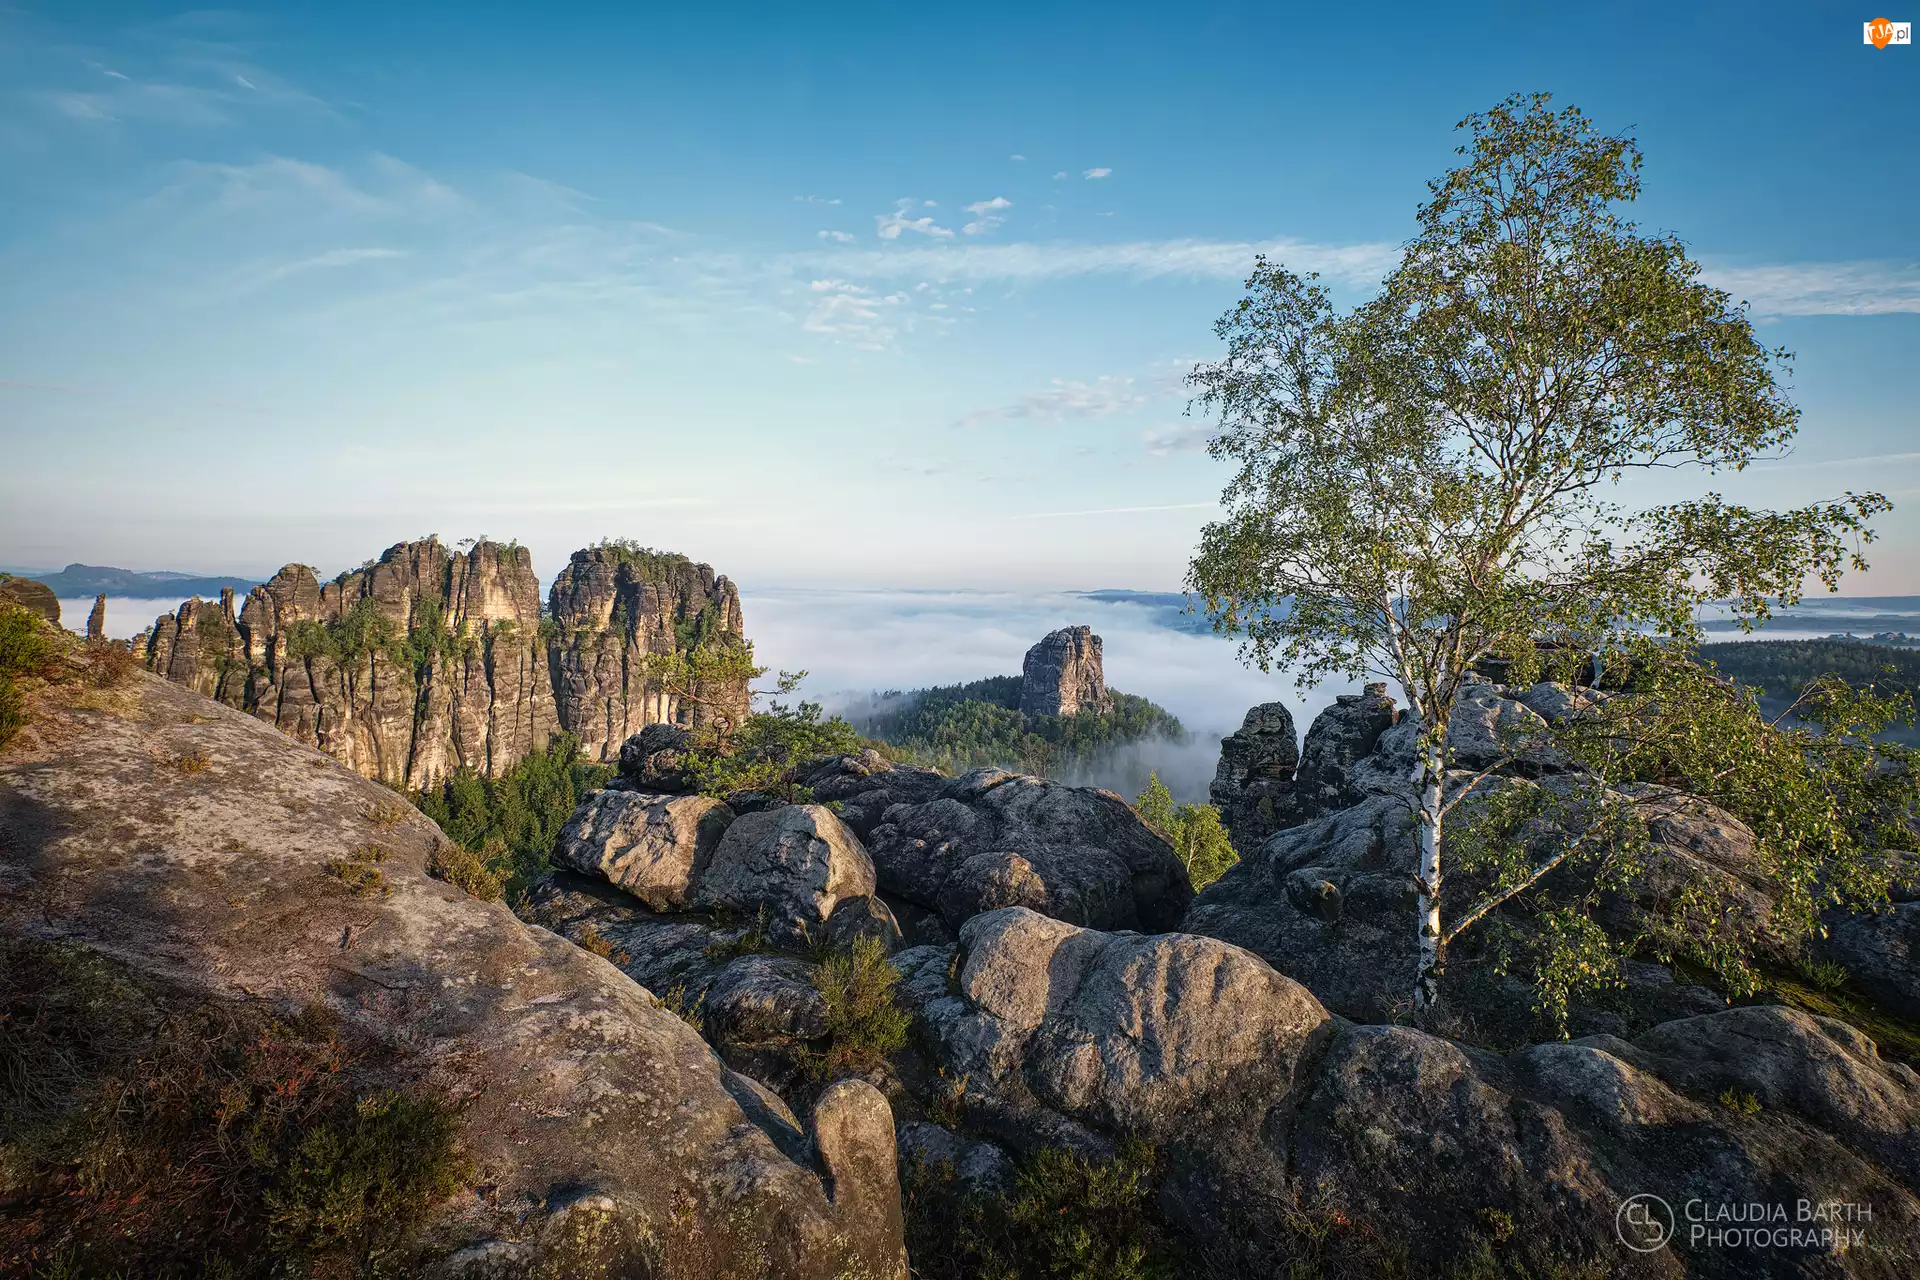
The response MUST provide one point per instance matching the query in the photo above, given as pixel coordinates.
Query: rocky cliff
(429, 660)
(612, 606)
(198, 848)
(1063, 675)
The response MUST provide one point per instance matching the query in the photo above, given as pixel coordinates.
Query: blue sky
(832, 295)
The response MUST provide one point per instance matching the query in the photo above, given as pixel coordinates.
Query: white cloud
(1060, 176)
(986, 215)
(1823, 288)
(853, 313)
(815, 200)
(319, 261)
(1115, 511)
(1016, 156)
(1179, 437)
(890, 225)
(838, 237)
(1097, 173)
(1360, 264)
(1065, 400)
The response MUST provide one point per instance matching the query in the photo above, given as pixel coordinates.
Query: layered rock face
(1265, 782)
(428, 661)
(611, 607)
(1063, 675)
(31, 595)
(609, 1139)
(419, 664)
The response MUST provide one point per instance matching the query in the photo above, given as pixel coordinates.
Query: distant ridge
(95, 579)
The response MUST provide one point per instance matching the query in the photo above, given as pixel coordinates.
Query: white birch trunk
(1428, 773)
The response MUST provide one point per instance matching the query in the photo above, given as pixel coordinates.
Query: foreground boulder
(193, 843)
(794, 864)
(1282, 1129)
(653, 846)
(993, 839)
(33, 596)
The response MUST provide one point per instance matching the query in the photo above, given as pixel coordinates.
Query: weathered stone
(35, 597)
(790, 866)
(1340, 737)
(476, 696)
(611, 607)
(994, 839)
(653, 846)
(1254, 779)
(97, 620)
(583, 1097)
(1063, 675)
(1881, 952)
(862, 917)
(654, 759)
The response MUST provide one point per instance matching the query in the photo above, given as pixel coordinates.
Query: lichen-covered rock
(584, 1097)
(1881, 952)
(654, 846)
(1063, 675)
(789, 867)
(993, 839)
(1166, 1037)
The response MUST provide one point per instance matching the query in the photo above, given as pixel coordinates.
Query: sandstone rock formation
(97, 620)
(655, 847)
(31, 595)
(1063, 675)
(1265, 782)
(960, 846)
(613, 605)
(428, 661)
(584, 1097)
(1269, 1112)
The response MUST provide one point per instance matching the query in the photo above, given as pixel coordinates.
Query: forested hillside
(1781, 669)
(969, 726)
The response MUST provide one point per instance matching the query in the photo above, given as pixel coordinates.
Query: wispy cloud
(1861, 288)
(1060, 176)
(1875, 460)
(1016, 156)
(1065, 400)
(1355, 264)
(319, 261)
(890, 225)
(854, 313)
(817, 200)
(986, 215)
(1179, 437)
(1097, 173)
(1115, 511)
(838, 237)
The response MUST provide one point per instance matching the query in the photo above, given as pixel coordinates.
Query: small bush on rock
(1066, 1216)
(1193, 830)
(146, 1133)
(464, 869)
(865, 1026)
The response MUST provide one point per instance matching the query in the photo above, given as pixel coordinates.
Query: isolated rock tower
(1062, 675)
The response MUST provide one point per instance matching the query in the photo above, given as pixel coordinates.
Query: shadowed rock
(1063, 675)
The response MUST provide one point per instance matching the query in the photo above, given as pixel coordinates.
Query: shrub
(360, 871)
(192, 762)
(865, 1026)
(144, 1133)
(591, 939)
(108, 663)
(1066, 1216)
(28, 648)
(1194, 831)
(762, 752)
(511, 822)
(464, 869)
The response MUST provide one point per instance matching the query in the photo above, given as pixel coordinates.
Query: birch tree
(1442, 475)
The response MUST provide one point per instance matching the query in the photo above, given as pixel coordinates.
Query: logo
(1880, 33)
(1643, 1222)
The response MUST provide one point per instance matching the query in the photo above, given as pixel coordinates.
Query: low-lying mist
(855, 643)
